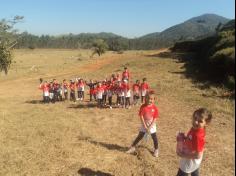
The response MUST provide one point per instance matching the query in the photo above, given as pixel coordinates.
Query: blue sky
(129, 18)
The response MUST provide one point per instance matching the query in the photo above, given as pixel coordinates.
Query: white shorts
(153, 129)
(143, 93)
(45, 94)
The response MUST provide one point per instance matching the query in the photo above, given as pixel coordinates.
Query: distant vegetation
(195, 28)
(215, 55)
(7, 41)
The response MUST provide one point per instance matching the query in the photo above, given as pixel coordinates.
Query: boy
(148, 114)
(193, 146)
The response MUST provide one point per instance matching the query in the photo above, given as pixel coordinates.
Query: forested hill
(215, 56)
(197, 27)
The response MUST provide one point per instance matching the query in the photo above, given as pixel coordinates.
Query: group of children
(190, 147)
(118, 86)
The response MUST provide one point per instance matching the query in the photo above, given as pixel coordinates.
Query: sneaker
(131, 150)
(110, 107)
(156, 153)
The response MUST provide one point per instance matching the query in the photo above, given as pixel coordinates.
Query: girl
(148, 114)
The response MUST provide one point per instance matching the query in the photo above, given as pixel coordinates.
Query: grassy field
(67, 139)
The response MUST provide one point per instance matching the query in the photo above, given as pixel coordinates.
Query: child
(136, 92)
(120, 95)
(127, 93)
(65, 89)
(80, 88)
(126, 74)
(99, 94)
(144, 89)
(110, 89)
(148, 114)
(192, 152)
(45, 87)
(51, 92)
(91, 86)
(72, 90)
(104, 95)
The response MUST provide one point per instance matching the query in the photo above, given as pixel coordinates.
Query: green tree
(7, 42)
(99, 47)
(5, 58)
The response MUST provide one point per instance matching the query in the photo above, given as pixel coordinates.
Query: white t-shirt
(190, 165)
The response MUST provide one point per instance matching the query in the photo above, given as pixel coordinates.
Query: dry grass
(71, 139)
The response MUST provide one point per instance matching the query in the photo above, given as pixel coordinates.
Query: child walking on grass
(148, 114)
(190, 147)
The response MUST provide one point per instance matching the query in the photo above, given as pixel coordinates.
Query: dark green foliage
(5, 58)
(215, 56)
(7, 42)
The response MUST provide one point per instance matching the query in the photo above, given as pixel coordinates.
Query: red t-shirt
(136, 87)
(65, 85)
(195, 141)
(144, 86)
(125, 75)
(126, 87)
(149, 112)
(44, 87)
(72, 87)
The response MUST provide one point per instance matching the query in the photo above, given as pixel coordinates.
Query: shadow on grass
(35, 102)
(105, 145)
(80, 106)
(196, 70)
(90, 172)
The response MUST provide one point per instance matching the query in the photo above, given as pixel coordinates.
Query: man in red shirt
(148, 114)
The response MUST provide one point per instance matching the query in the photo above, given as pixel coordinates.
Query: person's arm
(190, 155)
(150, 126)
(143, 122)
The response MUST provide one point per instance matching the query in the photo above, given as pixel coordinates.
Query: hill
(197, 27)
(214, 56)
(194, 28)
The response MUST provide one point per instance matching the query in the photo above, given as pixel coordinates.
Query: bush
(5, 58)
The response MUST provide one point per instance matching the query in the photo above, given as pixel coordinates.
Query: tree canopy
(7, 41)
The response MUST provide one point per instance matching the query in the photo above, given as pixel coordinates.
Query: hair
(144, 79)
(203, 113)
(149, 93)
